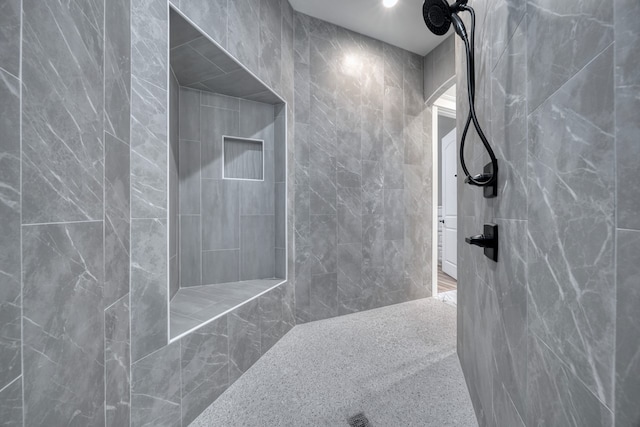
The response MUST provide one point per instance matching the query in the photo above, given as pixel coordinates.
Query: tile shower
(227, 181)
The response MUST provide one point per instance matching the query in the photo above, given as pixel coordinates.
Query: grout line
(104, 206)
(20, 71)
(95, 221)
(10, 383)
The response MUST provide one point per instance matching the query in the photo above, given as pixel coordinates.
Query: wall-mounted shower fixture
(488, 240)
(439, 15)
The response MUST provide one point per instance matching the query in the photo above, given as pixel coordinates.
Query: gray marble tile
(350, 283)
(393, 214)
(303, 262)
(562, 38)
(257, 247)
(62, 72)
(322, 181)
(191, 67)
(349, 215)
(506, 17)
(279, 141)
(10, 257)
(414, 144)
(627, 330)
(280, 215)
(393, 66)
(413, 80)
(323, 296)
(281, 263)
(509, 127)
(301, 37)
(149, 160)
(155, 388)
(270, 64)
(348, 163)
(10, 12)
(189, 100)
(394, 278)
(627, 83)
(116, 226)
(571, 189)
(149, 289)
(215, 123)
(221, 215)
(272, 324)
(323, 241)
(302, 92)
(190, 177)
(11, 404)
(510, 286)
(372, 240)
(372, 188)
(220, 266)
(393, 162)
(117, 360)
(149, 41)
(190, 250)
(210, 16)
(372, 76)
(244, 32)
(371, 134)
(63, 332)
(117, 68)
(204, 364)
(555, 396)
(244, 339)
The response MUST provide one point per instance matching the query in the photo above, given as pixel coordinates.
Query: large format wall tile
(11, 404)
(563, 37)
(155, 389)
(244, 339)
(63, 324)
(62, 72)
(571, 190)
(555, 397)
(205, 367)
(117, 358)
(149, 304)
(10, 279)
(627, 329)
(627, 47)
(148, 149)
(117, 71)
(10, 12)
(116, 219)
(243, 36)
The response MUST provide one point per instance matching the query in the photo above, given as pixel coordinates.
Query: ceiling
(401, 25)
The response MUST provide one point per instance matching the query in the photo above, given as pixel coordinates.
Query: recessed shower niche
(227, 189)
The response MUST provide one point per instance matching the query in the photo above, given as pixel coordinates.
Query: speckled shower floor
(396, 364)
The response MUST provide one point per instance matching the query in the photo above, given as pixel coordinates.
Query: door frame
(446, 108)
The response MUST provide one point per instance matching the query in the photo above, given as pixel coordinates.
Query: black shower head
(438, 16)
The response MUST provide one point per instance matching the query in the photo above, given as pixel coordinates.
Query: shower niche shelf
(227, 182)
(243, 158)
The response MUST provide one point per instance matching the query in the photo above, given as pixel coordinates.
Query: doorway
(445, 186)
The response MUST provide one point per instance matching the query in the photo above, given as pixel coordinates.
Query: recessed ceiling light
(389, 3)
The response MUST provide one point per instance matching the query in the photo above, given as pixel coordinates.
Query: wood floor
(445, 282)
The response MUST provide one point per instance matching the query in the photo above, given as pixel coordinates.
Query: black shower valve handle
(481, 240)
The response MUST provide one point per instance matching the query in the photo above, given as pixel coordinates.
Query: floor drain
(359, 420)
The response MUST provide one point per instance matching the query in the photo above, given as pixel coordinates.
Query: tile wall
(362, 173)
(548, 336)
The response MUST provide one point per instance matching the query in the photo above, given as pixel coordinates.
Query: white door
(450, 205)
